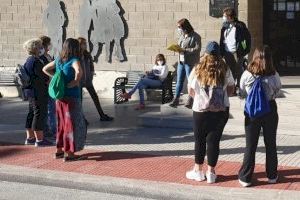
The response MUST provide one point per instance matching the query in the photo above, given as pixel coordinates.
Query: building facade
(148, 28)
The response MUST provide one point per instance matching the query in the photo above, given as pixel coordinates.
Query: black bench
(7, 79)
(132, 77)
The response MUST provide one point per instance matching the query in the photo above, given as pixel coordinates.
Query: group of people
(61, 119)
(212, 79)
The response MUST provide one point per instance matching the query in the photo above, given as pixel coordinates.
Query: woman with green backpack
(65, 88)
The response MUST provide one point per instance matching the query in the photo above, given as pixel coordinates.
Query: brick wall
(151, 24)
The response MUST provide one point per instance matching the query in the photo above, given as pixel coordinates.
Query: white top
(271, 84)
(193, 83)
(161, 71)
(229, 39)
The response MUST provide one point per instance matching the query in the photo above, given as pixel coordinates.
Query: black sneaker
(30, 141)
(43, 143)
(175, 103)
(106, 118)
(189, 102)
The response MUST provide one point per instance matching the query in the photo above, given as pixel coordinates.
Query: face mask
(42, 52)
(225, 19)
(50, 47)
(160, 63)
(180, 31)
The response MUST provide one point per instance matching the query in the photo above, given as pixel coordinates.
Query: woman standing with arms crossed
(190, 43)
(71, 126)
(262, 67)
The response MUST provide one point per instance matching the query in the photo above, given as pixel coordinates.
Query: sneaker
(273, 181)
(211, 177)
(174, 103)
(244, 184)
(189, 103)
(43, 143)
(195, 175)
(106, 118)
(30, 141)
(125, 95)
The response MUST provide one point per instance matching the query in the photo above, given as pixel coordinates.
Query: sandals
(106, 118)
(73, 158)
(59, 155)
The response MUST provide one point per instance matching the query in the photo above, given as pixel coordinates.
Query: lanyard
(227, 31)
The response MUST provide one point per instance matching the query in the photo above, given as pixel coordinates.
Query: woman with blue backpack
(260, 83)
(65, 88)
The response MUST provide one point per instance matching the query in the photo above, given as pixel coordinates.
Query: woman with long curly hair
(208, 85)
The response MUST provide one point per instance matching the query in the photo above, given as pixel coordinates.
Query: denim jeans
(183, 70)
(144, 83)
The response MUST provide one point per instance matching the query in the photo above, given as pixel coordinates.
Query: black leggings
(91, 90)
(208, 129)
(36, 117)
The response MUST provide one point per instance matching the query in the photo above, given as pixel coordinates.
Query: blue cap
(213, 48)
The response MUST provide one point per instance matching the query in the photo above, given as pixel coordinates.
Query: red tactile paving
(142, 167)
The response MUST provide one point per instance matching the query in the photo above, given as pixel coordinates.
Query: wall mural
(101, 23)
(55, 19)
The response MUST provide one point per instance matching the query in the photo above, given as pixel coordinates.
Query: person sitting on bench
(152, 79)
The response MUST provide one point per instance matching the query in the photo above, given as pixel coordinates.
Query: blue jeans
(143, 84)
(51, 119)
(183, 70)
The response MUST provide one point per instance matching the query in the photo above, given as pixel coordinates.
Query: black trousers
(235, 63)
(208, 130)
(268, 123)
(91, 90)
(36, 117)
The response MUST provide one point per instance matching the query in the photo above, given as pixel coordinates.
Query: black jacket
(242, 33)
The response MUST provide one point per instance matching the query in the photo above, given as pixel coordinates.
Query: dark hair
(45, 41)
(160, 57)
(262, 62)
(230, 12)
(186, 26)
(70, 49)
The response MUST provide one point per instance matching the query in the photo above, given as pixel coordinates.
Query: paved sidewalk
(155, 156)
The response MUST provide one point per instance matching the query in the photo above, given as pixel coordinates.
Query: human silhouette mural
(55, 19)
(101, 23)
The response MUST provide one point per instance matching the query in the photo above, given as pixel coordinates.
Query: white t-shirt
(161, 71)
(229, 39)
(229, 81)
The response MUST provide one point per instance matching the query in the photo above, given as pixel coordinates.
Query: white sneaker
(211, 177)
(244, 184)
(195, 175)
(273, 181)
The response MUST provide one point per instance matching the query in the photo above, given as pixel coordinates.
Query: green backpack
(56, 88)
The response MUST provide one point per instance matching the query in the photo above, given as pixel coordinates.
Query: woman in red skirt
(71, 126)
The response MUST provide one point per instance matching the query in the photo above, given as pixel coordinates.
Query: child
(154, 78)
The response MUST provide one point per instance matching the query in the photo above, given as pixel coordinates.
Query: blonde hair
(211, 70)
(32, 45)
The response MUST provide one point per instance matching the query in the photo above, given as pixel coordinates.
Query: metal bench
(132, 77)
(7, 79)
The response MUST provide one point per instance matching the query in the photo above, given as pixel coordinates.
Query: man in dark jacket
(235, 42)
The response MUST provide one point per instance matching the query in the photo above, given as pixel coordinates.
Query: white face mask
(180, 31)
(160, 63)
(50, 47)
(225, 19)
(42, 52)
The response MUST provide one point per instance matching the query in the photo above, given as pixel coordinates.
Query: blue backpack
(257, 103)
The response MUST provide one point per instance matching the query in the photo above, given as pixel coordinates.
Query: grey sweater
(192, 47)
(271, 84)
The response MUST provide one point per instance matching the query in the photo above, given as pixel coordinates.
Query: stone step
(155, 119)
